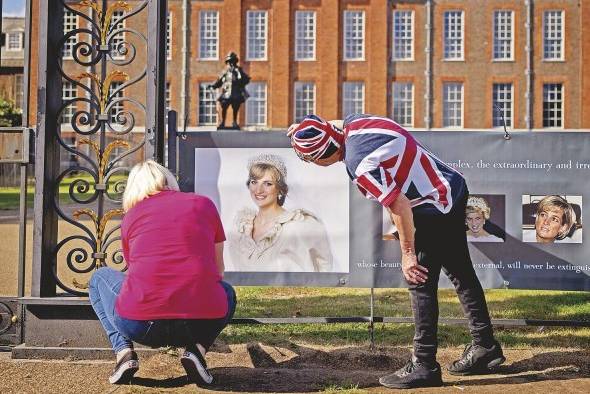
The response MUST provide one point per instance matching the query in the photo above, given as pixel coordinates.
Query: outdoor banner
(524, 220)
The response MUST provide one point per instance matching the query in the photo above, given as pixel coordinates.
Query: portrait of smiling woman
(477, 216)
(555, 220)
(270, 237)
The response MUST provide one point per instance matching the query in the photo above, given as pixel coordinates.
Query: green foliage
(9, 114)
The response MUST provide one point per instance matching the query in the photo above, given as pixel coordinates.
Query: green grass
(343, 388)
(310, 302)
(9, 196)
(313, 301)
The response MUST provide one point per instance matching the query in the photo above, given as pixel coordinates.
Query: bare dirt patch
(297, 368)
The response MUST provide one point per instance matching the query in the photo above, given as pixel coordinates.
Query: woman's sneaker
(195, 366)
(414, 374)
(477, 359)
(125, 369)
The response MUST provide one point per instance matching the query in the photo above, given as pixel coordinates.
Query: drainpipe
(529, 64)
(184, 70)
(428, 70)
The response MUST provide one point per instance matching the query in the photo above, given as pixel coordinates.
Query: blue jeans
(104, 287)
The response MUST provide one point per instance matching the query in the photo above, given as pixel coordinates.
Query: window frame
(561, 57)
(251, 40)
(412, 103)
(118, 38)
(301, 84)
(169, 36)
(509, 120)
(68, 45)
(561, 102)
(253, 100)
(345, 54)
(202, 87)
(203, 53)
(354, 100)
(69, 110)
(445, 102)
(495, 39)
(393, 39)
(461, 57)
(19, 38)
(298, 56)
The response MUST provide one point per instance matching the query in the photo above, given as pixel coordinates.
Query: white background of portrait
(222, 173)
(528, 235)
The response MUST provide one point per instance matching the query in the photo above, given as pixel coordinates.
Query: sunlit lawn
(331, 302)
(9, 196)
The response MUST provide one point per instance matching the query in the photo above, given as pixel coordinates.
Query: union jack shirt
(384, 160)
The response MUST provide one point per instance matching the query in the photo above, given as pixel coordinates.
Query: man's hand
(291, 129)
(414, 273)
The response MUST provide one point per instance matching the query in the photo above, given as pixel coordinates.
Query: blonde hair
(569, 215)
(478, 205)
(146, 179)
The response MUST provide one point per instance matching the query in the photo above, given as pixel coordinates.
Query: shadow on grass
(548, 366)
(167, 383)
(296, 368)
(317, 370)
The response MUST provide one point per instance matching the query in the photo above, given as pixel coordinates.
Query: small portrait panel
(552, 218)
(485, 218)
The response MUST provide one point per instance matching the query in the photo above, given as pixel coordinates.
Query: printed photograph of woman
(272, 238)
(552, 219)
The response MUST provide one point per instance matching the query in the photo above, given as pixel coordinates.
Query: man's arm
(401, 215)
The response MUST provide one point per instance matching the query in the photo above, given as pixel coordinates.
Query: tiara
(479, 203)
(269, 159)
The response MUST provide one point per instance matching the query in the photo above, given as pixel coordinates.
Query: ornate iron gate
(117, 72)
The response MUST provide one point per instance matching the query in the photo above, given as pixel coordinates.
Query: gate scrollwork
(102, 120)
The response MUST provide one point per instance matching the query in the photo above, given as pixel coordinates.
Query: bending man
(426, 200)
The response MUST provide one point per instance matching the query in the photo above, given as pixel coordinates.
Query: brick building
(12, 55)
(458, 64)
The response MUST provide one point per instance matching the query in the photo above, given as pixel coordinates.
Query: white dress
(485, 238)
(297, 242)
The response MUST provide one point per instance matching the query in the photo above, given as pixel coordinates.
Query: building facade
(429, 64)
(12, 56)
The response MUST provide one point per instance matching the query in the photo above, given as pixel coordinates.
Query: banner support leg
(372, 324)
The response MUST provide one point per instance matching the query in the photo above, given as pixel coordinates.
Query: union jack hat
(314, 138)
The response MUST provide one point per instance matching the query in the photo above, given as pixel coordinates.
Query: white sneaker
(195, 366)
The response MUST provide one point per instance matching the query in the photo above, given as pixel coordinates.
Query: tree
(9, 114)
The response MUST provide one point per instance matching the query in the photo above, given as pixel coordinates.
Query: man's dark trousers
(441, 242)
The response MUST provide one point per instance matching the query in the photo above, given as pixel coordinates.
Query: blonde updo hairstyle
(478, 205)
(146, 179)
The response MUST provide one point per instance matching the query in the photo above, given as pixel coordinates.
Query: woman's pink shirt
(169, 245)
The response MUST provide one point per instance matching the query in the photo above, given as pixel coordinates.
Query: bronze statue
(232, 83)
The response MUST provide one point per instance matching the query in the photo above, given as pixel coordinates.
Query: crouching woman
(172, 293)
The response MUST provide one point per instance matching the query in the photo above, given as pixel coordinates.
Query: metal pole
(529, 64)
(428, 70)
(1, 28)
(372, 323)
(24, 173)
(184, 66)
(156, 81)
